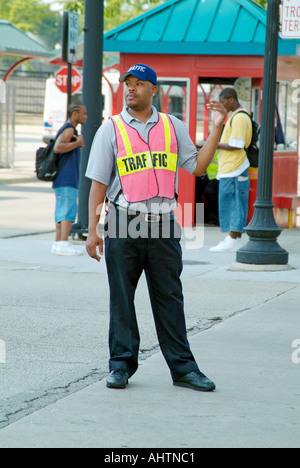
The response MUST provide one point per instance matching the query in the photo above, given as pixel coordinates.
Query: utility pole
(92, 99)
(262, 247)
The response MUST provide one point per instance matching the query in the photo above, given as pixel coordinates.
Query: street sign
(61, 80)
(290, 19)
(73, 24)
(70, 37)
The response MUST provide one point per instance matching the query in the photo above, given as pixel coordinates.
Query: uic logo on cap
(137, 68)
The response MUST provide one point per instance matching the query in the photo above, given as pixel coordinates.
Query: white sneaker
(65, 248)
(53, 248)
(228, 245)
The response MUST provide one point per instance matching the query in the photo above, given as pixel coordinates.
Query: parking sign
(290, 19)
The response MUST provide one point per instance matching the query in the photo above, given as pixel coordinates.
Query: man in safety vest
(134, 162)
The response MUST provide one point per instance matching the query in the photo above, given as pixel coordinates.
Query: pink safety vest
(146, 170)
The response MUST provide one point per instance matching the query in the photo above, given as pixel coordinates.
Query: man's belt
(146, 217)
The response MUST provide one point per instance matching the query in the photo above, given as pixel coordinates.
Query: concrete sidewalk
(256, 403)
(249, 353)
(22, 172)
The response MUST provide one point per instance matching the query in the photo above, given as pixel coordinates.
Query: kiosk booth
(199, 46)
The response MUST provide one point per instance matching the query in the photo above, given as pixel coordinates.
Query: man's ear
(154, 90)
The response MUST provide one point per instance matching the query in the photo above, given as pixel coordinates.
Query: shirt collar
(128, 118)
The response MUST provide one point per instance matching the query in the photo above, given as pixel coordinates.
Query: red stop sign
(61, 80)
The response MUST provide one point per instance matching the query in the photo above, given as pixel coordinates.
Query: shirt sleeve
(187, 151)
(101, 160)
(240, 130)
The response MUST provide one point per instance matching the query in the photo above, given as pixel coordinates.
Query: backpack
(253, 149)
(46, 166)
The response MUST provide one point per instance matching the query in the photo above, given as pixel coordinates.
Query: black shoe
(195, 380)
(117, 379)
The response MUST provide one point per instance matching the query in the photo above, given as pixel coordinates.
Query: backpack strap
(240, 112)
(64, 127)
(60, 131)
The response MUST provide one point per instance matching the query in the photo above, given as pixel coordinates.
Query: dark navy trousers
(161, 260)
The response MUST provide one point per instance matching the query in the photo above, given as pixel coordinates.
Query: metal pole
(69, 85)
(8, 103)
(92, 99)
(1, 134)
(262, 247)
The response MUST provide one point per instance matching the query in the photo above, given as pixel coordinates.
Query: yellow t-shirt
(237, 133)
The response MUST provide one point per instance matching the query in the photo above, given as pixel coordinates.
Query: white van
(55, 110)
(55, 107)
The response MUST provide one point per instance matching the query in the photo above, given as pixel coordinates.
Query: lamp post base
(262, 252)
(262, 247)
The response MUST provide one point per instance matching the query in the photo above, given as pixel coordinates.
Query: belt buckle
(152, 218)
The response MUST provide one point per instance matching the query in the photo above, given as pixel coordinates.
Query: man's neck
(143, 115)
(236, 107)
(73, 122)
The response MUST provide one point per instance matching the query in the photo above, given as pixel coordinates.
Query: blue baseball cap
(142, 72)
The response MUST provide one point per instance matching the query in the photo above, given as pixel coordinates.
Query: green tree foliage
(35, 17)
(262, 3)
(116, 12)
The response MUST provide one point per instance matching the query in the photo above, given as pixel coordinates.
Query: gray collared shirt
(102, 165)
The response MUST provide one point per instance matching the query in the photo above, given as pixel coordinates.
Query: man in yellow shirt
(233, 173)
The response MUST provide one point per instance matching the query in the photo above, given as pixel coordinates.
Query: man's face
(82, 115)
(138, 93)
(227, 103)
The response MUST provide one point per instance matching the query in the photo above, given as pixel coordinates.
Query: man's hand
(68, 141)
(96, 203)
(79, 140)
(218, 114)
(206, 154)
(93, 242)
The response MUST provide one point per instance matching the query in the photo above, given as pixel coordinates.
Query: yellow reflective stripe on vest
(167, 132)
(142, 161)
(124, 135)
(134, 163)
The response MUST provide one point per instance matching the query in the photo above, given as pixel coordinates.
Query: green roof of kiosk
(14, 41)
(197, 27)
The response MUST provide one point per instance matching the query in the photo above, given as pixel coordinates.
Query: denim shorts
(66, 204)
(233, 202)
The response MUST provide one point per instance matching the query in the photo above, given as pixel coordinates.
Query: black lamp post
(92, 99)
(262, 247)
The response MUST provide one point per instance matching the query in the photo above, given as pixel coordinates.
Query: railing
(7, 126)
